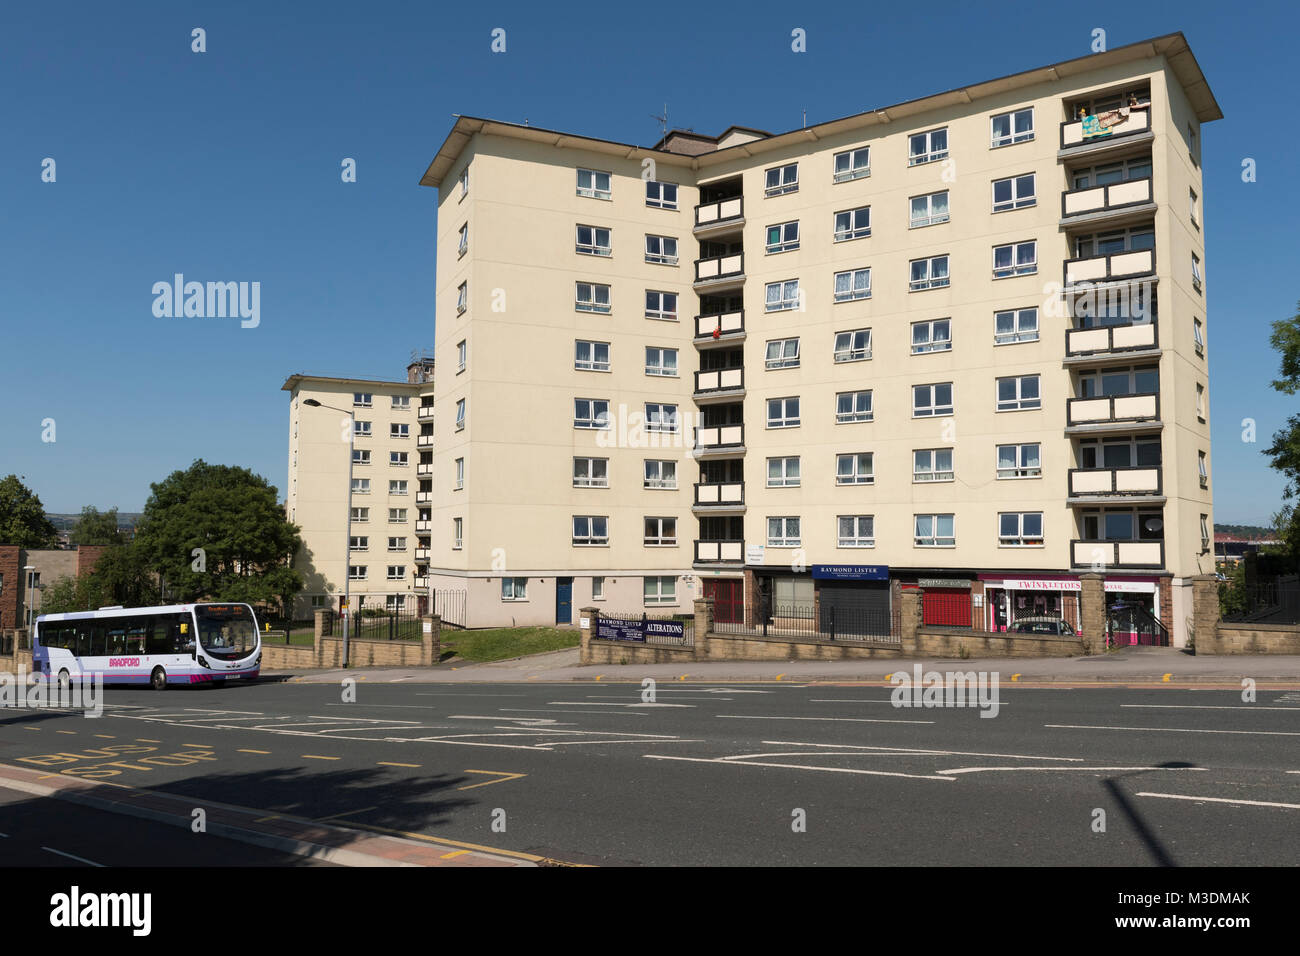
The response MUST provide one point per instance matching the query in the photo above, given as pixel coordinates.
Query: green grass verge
(500, 643)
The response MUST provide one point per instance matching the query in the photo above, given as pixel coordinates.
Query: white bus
(177, 644)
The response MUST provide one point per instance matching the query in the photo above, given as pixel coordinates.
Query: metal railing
(1275, 601)
(826, 622)
(399, 625)
(449, 605)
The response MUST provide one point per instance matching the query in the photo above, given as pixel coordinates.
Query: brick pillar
(749, 595)
(590, 615)
(1092, 612)
(11, 585)
(1205, 614)
(909, 620)
(703, 627)
(321, 627)
(430, 640)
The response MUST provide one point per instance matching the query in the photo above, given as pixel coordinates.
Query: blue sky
(225, 166)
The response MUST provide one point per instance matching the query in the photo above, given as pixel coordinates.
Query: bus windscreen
(226, 631)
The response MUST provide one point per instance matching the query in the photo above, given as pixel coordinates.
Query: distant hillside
(66, 522)
(1247, 531)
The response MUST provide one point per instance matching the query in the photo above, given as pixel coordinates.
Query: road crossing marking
(1248, 803)
(1179, 730)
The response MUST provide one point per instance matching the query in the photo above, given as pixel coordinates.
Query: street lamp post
(31, 597)
(347, 544)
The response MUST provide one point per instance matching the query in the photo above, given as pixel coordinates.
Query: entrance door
(728, 602)
(564, 600)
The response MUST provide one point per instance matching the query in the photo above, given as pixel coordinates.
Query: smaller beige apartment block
(957, 343)
(392, 476)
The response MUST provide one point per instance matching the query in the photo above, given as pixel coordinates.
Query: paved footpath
(1135, 666)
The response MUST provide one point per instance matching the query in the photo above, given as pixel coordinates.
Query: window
(462, 297)
(360, 515)
(396, 572)
(854, 346)
(1110, 173)
(463, 245)
(361, 456)
(1191, 144)
(853, 224)
(598, 583)
(593, 184)
(852, 407)
(1016, 259)
(852, 285)
(660, 417)
(359, 543)
(782, 295)
(460, 474)
(1018, 393)
(1020, 529)
(1200, 401)
(932, 336)
(1198, 336)
(397, 487)
(1132, 239)
(361, 486)
(661, 305)
(1196, 272)
(856, 469)
(460, 414)
(357, 572)
(661, 362)
(1205, 532)
(783, 237)
(1015, 325)
(591, 356)
(661, 589)
(934, 531)
(782, 179)
(396, 430)
(856, 531)
(1202, 469)
(783, 353)
(1141, 452)
(1144, 380)
(928, 273)
(362, 429)
(661, 195)
(362, 399)
(783, 532)
(464, 182)
(782, 412)
(1014, 127)
(319, 600)
(457, 533)
(395, 602)
(783, 472)
(402, 402)
(932, 464)
(462, 353)
(927, 147)
(514, 589)
(660, 475)
(931, 400)
(590, 413)
(1192, 211)
(397, 515)
(592, 297)
(661, 249)
(593, 241)
(590, 530)
(399, 459)
(660, 532)
(1019, 461)
(928, 210)
(853, 164)
(1014, 193)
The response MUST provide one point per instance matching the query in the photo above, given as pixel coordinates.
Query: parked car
(1043, 625)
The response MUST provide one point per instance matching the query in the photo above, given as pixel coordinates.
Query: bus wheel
(158, 679)
(65, 680)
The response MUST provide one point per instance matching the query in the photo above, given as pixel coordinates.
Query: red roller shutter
(946, 607)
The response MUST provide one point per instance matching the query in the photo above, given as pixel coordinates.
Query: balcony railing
(1112, 196)
(719, 380)
(423, 497)
(425, 526)
(423, 470)
(1144, 406)
(717, 213)
(720, 493)
(719, 551)
(424, 413)
(1131, 480)
(1104, 127)
(422, 554)
(1117, 554)
(421, 582)
(719, 437)
(1111, 338)
(1117, 265)
(716, 326)
(424, 441)
(720, 267)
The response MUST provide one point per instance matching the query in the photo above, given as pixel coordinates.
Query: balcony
(719, 217)
(1092, 485)
(1101, 132)
(1116, 266)
(724, 496)
(424, 526)
(421, 583)
(715, 385)
(424, 441)
(1108, 203)
(719, 440)
(720, 272)
(424, 413)
(422, 555)
(424, 470)
(719, 329)
(1137, 340)
(712, 551)
(1117, 554)
(423, 497)
(1140, 412)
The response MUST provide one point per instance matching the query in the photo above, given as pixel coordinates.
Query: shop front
(1013, 600)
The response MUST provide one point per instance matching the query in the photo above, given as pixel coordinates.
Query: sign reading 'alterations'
(636, 629)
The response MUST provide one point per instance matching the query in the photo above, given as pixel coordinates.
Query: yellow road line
(531, 857)
(504, 774)
(393, 763)
(146, 740)
(65, 731)
(243, 751)
(274, 816)
(345, 813)
(106, 736)
(318, 757)
(453, 854)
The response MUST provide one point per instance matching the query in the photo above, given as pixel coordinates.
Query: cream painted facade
(390, 527)
(507, 244)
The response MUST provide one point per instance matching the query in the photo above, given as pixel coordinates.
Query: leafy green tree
(1285, 450)
(71, 593)
(121, 576)
(217, 532)
(96, 527)
(22, 516)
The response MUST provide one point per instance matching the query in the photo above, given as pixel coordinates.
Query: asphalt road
(708, 774)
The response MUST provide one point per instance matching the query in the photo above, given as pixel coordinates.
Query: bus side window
(98, 639)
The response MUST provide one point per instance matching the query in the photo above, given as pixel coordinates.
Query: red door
(728, 600)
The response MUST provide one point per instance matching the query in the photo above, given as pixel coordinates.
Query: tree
(121, 576)
(22, 516)
(95, 527)
(1285, 450)
(217, 532)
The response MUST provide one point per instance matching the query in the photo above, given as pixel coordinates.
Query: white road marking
(552, 710)
(918, 750)
(1248, 803)
(79, 859)
(1084, 769)
(632, 694)
(1211, 707)
(851, 720)
(794, 766)
(1178, 730)
(600, 703)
